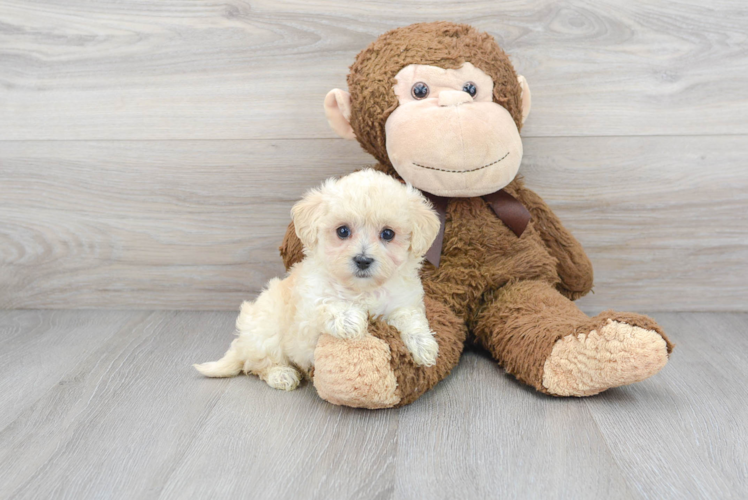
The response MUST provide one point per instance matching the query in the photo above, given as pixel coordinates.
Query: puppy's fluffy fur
(344, 277)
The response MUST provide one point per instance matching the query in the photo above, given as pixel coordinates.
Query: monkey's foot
(355, 373)
(378, 370)
(612, 355)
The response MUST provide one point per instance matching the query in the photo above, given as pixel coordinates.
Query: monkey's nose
(362, 262)
(453, 97)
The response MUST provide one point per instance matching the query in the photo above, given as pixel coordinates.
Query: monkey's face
(447, 136)
(447, 126)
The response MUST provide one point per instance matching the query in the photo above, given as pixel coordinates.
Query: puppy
(364, 239)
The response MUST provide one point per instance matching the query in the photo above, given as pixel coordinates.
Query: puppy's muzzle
(363, 262)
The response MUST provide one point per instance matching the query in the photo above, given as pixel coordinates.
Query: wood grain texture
(116, 425)
(682, 433)
(196, 224)
(482, 435)
(284, 445)
(38, 349)
(150, 152)
(178, 69)
(130, 418)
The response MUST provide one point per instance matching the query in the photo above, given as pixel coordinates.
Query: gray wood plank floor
(104, 404)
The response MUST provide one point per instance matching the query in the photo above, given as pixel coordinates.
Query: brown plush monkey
(440, 106)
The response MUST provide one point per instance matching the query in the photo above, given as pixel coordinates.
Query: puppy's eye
(470, 88)
(420, 91)
(387, 234)
(343, 232)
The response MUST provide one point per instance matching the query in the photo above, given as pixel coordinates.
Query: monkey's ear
(338, 113)
(526, 99)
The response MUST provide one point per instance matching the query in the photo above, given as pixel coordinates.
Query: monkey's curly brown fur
(443, 44)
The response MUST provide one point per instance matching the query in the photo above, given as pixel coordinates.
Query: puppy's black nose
(362, 262)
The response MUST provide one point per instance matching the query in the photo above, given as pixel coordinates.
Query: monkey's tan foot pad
(355, 373)
(614, 355)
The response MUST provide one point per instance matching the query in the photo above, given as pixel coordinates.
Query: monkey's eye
(343, 232)
(387, 234)
(470, 88)
(420, 90)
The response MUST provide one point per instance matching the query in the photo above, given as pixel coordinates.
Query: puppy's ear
(424, 223)
(306, 215)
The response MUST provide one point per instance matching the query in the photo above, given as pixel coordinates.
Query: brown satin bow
(506, 207)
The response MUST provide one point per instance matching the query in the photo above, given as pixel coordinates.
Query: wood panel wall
(150, 151)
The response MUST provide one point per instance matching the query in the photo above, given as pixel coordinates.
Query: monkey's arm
(574, 267)
(291, 249)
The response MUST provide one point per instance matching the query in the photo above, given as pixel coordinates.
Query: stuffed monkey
(440, 106)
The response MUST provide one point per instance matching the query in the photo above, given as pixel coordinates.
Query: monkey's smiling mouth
(462, 171)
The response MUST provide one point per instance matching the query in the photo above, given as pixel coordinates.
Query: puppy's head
(365, 227)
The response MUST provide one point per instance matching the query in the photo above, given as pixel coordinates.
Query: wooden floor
(104, 404)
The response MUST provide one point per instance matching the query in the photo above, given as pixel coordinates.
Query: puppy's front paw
(422, 347)
(348, 323)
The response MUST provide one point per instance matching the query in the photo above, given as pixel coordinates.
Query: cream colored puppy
(364, 239)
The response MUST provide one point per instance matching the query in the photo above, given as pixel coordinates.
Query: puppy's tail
(228, 366)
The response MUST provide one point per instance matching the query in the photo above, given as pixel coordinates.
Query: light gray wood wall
(150, 151)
